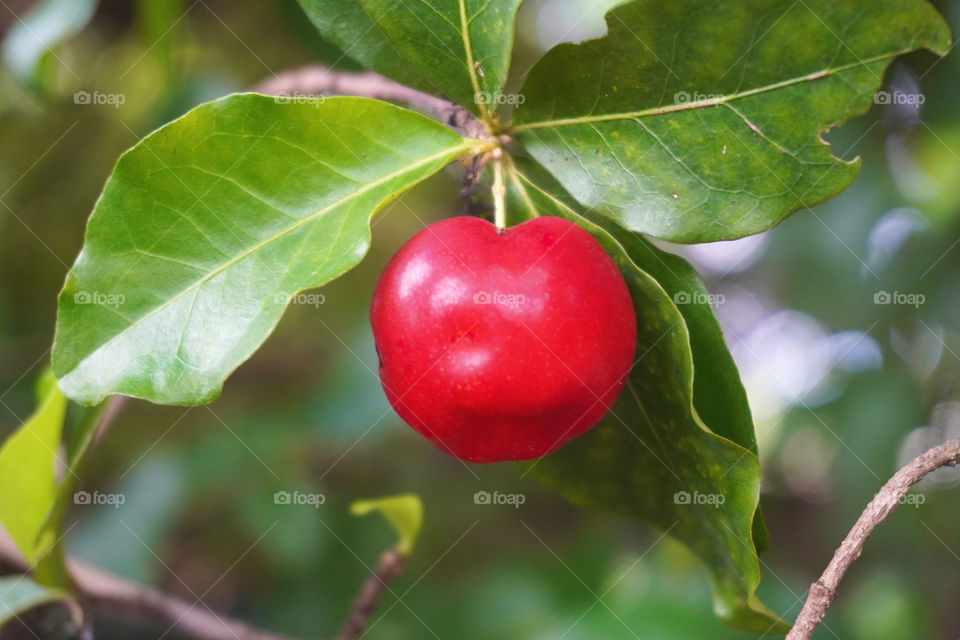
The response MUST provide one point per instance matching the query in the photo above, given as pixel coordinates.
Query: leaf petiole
(499, 190)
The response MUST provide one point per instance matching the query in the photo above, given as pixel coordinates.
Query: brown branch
(390, 566)
(111, 594)
(318, 80)
(105, 592)
(823, 591)
(115, 406)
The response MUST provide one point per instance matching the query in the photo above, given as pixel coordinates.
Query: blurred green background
(844, 388)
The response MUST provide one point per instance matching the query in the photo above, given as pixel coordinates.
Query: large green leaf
(698, 121)
(208, 226)
(461, 46)
(718, 393)
(653, 457)
(345, 24)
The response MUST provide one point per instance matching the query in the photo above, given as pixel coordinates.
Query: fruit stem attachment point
(499, 190)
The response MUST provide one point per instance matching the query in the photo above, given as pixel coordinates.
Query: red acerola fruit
(502, 345)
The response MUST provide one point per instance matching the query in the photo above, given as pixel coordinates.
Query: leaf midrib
(468, 49)
(689, 106)
(463, 146)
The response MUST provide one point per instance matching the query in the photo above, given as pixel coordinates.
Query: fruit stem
(499, 191)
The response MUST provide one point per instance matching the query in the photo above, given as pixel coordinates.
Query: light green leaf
(653, 456)
(28, 461)
(461, 46)
(19, 594)
(403, 512)
(345, 24)
(31, 40)
(32, 502)
(51, 567)
(697, 121)
(208, 226)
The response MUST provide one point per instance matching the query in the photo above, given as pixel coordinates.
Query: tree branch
(111, 594)
(390, 566)
(823, 591)
(318, 80)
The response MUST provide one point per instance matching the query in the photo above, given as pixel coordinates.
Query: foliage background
(842, 389)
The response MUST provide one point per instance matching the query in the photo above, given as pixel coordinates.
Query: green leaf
(718, 393)
(19, 594)
(208, 226)
(30, 41)
(345, 24)
(403, 512)
(28, 461)
(51, 567)
(697, 121)
(461, 46)
(32, 502)
(653, 452)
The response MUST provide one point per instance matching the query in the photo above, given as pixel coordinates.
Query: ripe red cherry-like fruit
(502, 345)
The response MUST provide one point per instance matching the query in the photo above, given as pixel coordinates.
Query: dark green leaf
(718, 394)
(698, 121)
(461, 46)
(345, 24)
(210, 224)
(653, 456)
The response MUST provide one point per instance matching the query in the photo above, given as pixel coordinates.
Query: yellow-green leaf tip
(404, 513)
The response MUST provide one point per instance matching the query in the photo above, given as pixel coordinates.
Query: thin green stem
(499, 190)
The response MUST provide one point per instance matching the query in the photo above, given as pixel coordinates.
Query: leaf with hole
(698, 121)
